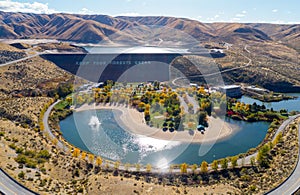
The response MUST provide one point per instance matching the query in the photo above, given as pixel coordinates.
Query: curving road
(9, 186)
(22, 59)
(292, 184)
(47, 128)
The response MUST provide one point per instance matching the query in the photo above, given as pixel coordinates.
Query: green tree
(234, 161)
(263, 156)
(224, 163)
(194, 168)
(21, 175)
(252, 161)
(215, 165)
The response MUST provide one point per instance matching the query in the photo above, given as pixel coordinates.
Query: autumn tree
(98, 161)
(91, 158)
(204, 167)
(138, 167)
(183, 168)
(117, 165)
(76, 152)
(148, 168)
(83, 155)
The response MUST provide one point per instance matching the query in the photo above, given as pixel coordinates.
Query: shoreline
(133, 122)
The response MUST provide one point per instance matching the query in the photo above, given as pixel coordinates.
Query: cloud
(129, 14)
(244, 12)
(86, 11)
(35, 7)
(274, 10)
(235, 19)
(240, 15)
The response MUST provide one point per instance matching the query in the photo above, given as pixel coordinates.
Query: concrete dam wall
(122, 67)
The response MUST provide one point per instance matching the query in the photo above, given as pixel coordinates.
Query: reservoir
(289, 105)
(110, 141)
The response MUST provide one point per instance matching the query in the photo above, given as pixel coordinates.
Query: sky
(263, 11)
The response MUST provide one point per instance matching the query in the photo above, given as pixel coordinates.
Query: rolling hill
(95, 28)
(274, 48)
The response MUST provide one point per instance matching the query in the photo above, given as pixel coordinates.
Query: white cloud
(35, 7)
(235, 19)
(128, 14)
(86, 11)
(244, 12)
(240, 15)
(274, 10)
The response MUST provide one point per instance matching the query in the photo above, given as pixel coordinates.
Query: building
(233, 91)
(257, 90)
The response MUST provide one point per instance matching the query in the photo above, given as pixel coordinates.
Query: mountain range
(132, 30)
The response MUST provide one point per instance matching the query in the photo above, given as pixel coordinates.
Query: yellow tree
(98, 161)
(201, 90)
(204, 167)
(69, 100)
(247, 107)
(116, 165)
(83, 155)
(127, 166)
(237, 105)
(91, 158)
(147, 107)
(76, 152)
(183, 168)
(148, 168)
(138, 167)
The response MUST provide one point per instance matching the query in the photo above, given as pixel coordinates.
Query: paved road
(9, 186)
(47, 128)
(280, 129)
(26, 58)
(292, 184)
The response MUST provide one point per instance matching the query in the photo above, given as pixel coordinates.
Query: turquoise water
(109, 140)
(290, 105)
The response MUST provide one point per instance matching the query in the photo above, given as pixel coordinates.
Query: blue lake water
(109, 140)
(290, 105)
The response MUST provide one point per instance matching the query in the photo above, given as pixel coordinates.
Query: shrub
(21, 175)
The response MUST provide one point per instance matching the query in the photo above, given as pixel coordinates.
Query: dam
(131, 67)
(140, 65)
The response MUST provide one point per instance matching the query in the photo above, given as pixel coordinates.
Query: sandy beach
(133, 121)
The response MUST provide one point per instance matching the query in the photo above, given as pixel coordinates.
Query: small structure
(257, 90)
(193, 85)
(200, 128)
(233, 91)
